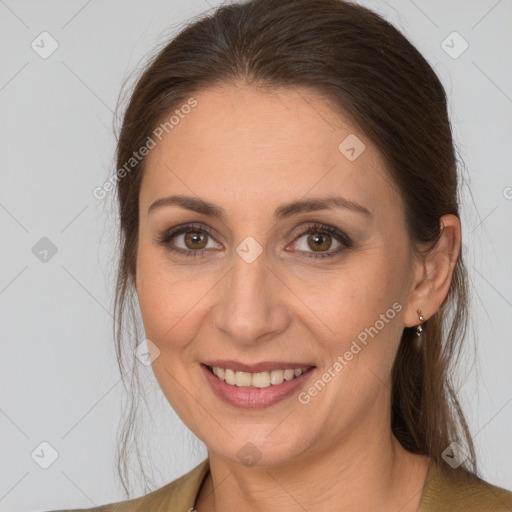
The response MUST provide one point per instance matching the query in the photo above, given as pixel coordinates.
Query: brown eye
(195, 240)
(189, 240)
(319, 241)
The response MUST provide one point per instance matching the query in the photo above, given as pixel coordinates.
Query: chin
(255, 449)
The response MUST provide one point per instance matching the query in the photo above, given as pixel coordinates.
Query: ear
(434, 271)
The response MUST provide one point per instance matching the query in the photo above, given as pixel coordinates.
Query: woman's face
(271, 276)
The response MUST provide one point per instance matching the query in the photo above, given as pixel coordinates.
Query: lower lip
(251, 398)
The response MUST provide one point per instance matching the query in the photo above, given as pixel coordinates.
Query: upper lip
(263, 366)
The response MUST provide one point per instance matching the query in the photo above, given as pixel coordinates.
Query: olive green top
(451, 492)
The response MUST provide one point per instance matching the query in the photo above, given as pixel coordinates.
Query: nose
(252, 308)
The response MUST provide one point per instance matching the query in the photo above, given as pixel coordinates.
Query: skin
(248, 151)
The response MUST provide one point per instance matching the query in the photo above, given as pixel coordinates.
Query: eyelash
(310, 229)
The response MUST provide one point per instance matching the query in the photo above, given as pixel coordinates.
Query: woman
(289, 222)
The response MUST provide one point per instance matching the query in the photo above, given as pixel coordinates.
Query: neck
(367, 471)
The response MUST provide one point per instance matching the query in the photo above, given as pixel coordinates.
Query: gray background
(59, 380)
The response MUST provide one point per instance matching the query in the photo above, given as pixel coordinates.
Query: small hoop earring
(419, 328)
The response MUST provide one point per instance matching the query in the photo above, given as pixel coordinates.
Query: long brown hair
(361, 63)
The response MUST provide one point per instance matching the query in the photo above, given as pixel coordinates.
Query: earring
(419, 328)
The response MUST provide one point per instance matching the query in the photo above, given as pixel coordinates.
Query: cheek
(167, 298)
(352, 295)
(174, 302)
(170, 306)
(362, 307)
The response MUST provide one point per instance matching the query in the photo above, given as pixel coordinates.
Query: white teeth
(230, 376)
(276, 377)
(257, 379)
(261, 380)
(289, 374)
(243, 379)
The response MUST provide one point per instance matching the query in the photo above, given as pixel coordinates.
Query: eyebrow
(284, 211)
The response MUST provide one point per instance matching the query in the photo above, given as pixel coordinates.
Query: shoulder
(450, 490)
(177, 495)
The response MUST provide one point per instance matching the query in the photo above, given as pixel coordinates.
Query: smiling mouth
(257, 380)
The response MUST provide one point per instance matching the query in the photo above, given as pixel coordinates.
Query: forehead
(240, 141)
